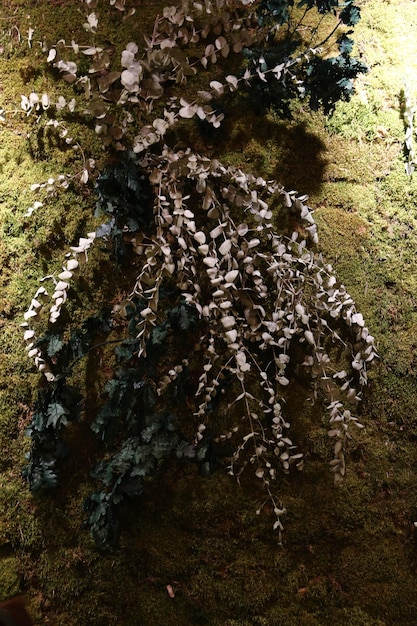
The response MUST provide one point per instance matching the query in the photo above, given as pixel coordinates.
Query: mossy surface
(348, 554)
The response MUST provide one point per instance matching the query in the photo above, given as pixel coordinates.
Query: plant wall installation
(224, 307)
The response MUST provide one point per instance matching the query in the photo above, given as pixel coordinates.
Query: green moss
(349, 554)
(9, 577)
(365, 120)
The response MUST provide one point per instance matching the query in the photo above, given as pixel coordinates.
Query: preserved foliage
(225, 307)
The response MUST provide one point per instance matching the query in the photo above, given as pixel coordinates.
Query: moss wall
(193, 550)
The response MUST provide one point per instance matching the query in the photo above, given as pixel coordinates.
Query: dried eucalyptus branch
(261, 304)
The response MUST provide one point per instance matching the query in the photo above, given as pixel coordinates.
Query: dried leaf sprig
(261, 296)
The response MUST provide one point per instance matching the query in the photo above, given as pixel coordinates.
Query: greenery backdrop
(195, 538)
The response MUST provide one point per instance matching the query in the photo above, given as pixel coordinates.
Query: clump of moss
(9, 577)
